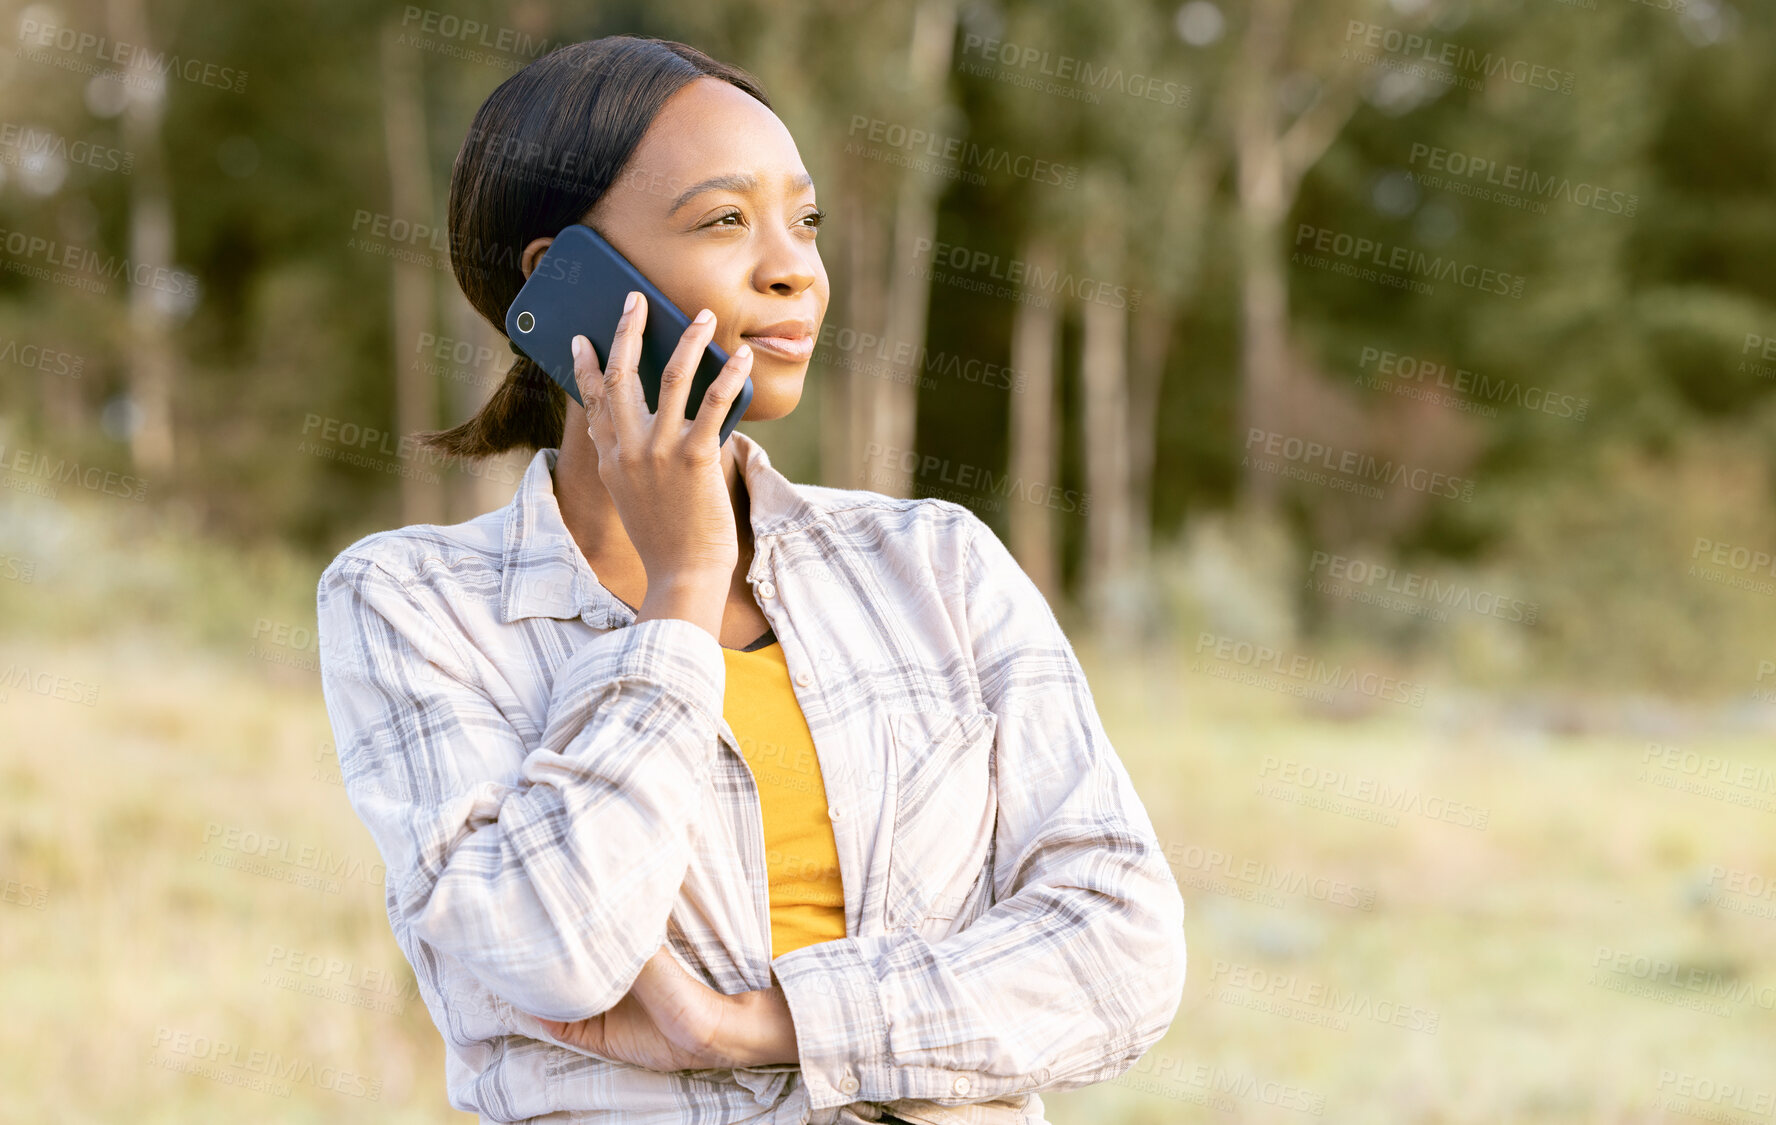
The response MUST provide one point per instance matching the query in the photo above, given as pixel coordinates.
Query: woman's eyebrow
(733, 181)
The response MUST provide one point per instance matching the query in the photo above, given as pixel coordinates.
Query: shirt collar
(543, 573)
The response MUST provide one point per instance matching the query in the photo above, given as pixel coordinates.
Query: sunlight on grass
(1543, 928)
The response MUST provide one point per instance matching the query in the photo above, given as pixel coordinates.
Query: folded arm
(1077, 968)
(547, 871)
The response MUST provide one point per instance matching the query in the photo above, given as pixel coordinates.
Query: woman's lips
(788, 347)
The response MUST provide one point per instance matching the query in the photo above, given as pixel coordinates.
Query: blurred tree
(151, 354)
(412, 283)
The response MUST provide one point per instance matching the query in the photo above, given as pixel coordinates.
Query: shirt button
(848, 1084)
(832, 811)
(767, 590)
(804, 679)
(962, 1085)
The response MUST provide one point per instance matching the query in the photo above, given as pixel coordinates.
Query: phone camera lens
(526, 322)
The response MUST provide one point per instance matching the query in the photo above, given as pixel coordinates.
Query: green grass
(144, 947)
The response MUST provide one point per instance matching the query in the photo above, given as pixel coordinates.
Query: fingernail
(704, 317)
(744, 351)
(629, 302)
(579, 342)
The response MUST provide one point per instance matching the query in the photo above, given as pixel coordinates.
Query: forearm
(759, 1029)
(1056, 987)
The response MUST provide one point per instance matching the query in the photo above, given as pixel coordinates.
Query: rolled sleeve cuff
(841, 1033)
(670, 651)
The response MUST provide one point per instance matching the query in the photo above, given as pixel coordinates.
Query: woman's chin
(773, 397)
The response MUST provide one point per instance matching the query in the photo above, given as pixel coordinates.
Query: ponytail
(527, 410)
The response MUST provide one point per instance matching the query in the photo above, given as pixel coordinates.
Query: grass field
(1472, 918)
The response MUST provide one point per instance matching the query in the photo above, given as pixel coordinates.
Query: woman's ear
(533, 253)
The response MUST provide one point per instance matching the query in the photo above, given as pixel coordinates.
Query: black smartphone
(578, 289)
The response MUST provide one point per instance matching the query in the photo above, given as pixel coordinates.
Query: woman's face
(717, 210)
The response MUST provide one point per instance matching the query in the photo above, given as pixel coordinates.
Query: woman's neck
(591, 516)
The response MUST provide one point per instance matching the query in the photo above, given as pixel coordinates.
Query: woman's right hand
(666, 1021)
(664, 474)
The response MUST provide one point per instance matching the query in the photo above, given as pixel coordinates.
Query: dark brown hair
(542, 150)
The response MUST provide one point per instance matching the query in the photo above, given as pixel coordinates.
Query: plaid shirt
(555, 794)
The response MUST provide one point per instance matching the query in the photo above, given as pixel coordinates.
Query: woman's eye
(813, 219)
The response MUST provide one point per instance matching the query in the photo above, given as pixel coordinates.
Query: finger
(587, 371)
(587, 1033)
(706, 427)
(675, 381)
(591, 383)
(622, 388)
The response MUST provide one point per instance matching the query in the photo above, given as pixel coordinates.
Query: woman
(705, 795)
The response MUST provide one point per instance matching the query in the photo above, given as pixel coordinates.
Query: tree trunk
(1152, 337)
(890, 406)
(1034, 455)
(151, 363)
(1103, 410)
(1264, 320)
(410, 198)
(1264, 284)
(847, 462)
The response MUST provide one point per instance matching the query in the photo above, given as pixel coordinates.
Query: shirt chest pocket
(944, 806)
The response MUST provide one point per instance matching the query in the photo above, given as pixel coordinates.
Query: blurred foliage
(1647, 316)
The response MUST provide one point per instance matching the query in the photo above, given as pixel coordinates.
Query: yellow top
(802, 861)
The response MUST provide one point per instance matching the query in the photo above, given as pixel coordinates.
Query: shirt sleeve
(1078, 967)
(546, 871)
